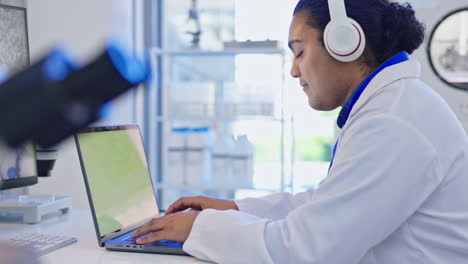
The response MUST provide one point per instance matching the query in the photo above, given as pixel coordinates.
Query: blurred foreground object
(54, 98)
(17, 255)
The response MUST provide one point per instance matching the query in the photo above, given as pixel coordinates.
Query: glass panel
(213, 101)
(449, 50)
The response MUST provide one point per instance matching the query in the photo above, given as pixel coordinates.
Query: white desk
(79, 224)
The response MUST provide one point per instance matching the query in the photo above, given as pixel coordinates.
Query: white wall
(431, 12)
(82, 26)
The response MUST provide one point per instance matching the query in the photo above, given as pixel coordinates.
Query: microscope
(48, 102)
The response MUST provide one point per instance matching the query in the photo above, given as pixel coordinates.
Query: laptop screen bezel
(93, 129)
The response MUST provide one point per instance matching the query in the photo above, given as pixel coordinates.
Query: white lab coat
(396, 193)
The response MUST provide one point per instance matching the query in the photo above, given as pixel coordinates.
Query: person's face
(321, 77)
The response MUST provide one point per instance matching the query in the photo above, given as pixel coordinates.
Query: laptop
(119, 187)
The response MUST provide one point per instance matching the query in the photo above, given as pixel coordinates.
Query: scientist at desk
(396, 187)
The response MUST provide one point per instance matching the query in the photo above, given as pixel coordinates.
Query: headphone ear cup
(344, 41)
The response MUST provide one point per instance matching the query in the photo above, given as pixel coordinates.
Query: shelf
(204, 53)
(216, 106)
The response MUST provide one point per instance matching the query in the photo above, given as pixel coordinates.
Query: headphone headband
(337, 9)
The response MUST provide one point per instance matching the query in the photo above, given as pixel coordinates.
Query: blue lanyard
(348, 106)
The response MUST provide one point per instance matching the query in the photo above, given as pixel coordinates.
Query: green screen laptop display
(118, 178)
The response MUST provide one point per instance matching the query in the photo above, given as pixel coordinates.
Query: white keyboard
(41, 243)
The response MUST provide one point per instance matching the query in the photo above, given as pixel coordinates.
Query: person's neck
(357, 76)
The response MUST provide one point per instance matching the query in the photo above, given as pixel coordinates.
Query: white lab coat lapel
(389, 75)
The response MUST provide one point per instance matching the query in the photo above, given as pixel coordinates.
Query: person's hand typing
(200, 203)
(174, 227)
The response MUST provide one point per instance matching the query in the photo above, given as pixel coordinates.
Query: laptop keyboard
(130, 239)
(162, 242)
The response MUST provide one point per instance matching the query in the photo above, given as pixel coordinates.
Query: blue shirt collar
(348, 106)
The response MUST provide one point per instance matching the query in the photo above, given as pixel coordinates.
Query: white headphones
(343, 36)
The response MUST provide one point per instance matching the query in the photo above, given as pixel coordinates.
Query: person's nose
(295, 73)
